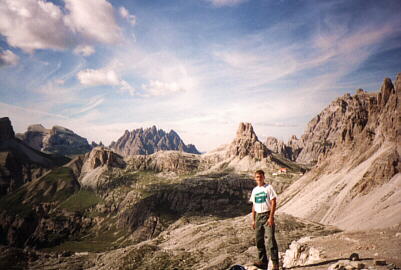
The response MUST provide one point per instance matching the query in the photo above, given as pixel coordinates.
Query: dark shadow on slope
(25, 218)
(225, 197)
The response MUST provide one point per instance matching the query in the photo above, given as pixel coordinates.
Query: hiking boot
(260, 265)
(275, 266)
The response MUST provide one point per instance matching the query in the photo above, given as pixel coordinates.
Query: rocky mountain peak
(386, 90)
(58, 140)
(275, 145)
(148, 141)
(37, 128)
(397, 84)
(101, 156)
(246, 143)
(60, 129)
(6, 129)
(360, 91)
(289, 150)
(245, 130)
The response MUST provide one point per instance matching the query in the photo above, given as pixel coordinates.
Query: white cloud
(158, 88)
(94, 19)
(7, 57)
(93, 77)
(126, 15)
(38, 24)
(220, 3)
(33, 24)
(84, 50)
(163, 72)
(105, 76)
(92, 104)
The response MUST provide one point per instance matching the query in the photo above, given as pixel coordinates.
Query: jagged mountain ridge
(148, 141)
(356, 182)
(57, 140)
(245, 153)
(329, 127)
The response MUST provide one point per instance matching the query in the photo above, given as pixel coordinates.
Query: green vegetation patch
(56, 186)
(102, 241)
(12, 204)
(81, 200)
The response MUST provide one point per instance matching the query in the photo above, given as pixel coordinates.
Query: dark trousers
(261, 228)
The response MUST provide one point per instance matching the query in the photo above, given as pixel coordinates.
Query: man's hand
(270, 222)
(253, 225)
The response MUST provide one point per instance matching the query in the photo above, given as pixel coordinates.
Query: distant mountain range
(148, 141)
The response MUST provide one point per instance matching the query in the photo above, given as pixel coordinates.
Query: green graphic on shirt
(260, 197)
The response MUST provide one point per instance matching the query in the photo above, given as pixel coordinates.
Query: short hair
(261, 172)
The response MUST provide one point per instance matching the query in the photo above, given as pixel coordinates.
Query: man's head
(260, 177)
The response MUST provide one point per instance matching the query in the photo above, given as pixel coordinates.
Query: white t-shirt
(261, 197)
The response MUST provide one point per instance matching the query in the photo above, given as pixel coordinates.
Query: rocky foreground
(207, 242)
(191, 242)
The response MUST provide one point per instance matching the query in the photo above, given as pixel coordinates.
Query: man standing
(263, 198)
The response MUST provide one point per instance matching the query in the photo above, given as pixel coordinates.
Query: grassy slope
(55, 186)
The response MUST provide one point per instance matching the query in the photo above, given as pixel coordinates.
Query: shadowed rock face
(27, 216)
(6, 129)
(148, 141)
(224, 197)
(20, 163)
(57, 140)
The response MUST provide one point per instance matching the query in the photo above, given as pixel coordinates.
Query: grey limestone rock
(57, 140)
(246, 143)
(148, 141)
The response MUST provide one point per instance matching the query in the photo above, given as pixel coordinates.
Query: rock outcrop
(290, 150)
(275, 145)
(356, 144)
(165, 161)
(225, 197)
(57, 140)
(299, 254)
(148, 141)
(97, 163)
(245, 153)
(246, 143)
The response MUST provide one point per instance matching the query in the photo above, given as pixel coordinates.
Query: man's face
(260, 179)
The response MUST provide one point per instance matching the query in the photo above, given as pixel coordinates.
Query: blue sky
(196, 66)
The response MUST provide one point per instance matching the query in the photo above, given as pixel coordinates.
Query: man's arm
(270, 221)
(253, 217)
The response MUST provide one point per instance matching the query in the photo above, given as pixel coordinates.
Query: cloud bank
(36, 24)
